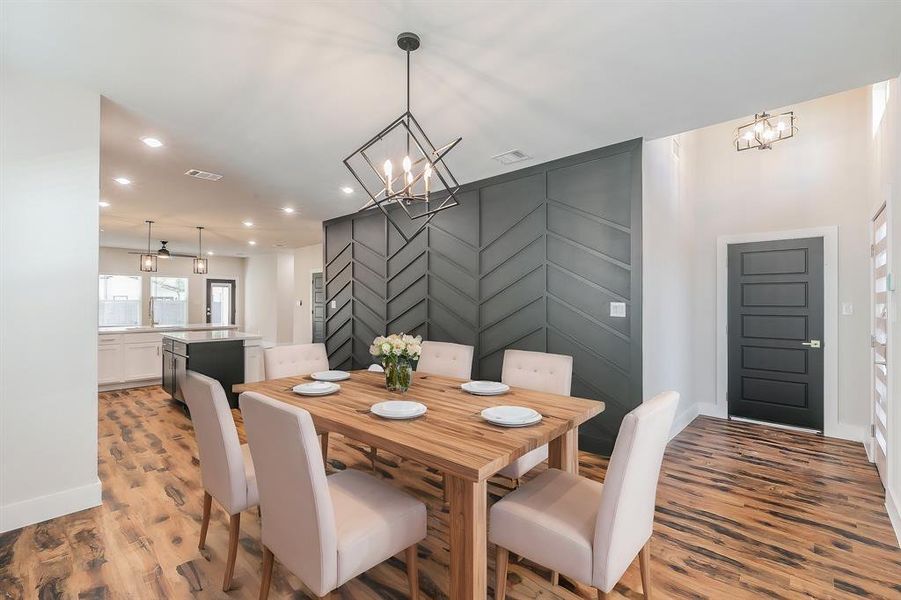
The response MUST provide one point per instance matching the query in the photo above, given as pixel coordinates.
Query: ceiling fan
(163, 252)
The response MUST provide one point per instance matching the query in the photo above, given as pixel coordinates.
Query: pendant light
(148, 261)
(201, 265)
(423, 185)
(765, 130)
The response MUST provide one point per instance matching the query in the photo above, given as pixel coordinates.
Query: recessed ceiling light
(248, 223)
(288, 210)
(152, 142)
(209, 253)
(347, 189)
(103, 204)
(252, 243)
(122, 180)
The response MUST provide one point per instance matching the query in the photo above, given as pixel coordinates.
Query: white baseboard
(683, 420)
(846, 431)
(709, 409)
(894, 513)
(35, 510)
(868, 447)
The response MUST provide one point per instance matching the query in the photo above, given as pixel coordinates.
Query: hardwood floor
(742, 512)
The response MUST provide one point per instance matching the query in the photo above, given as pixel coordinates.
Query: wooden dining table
(452, 438)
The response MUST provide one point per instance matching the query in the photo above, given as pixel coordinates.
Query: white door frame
(831, 425)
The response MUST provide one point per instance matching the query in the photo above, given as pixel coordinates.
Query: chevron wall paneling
(530, 259)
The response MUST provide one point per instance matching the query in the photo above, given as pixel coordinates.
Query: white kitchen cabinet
(109, 364)
(142, 360)
(253, 363)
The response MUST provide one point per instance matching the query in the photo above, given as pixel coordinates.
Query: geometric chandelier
(148, 260)
(764, 131)
(420, 183)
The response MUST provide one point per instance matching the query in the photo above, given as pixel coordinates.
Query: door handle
(812, 343)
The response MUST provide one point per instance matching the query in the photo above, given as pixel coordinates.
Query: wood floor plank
(743, 511)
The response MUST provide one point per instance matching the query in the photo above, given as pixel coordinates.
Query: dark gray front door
(318, 308)
(776, 331)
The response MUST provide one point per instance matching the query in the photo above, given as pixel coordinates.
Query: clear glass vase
(398, 375)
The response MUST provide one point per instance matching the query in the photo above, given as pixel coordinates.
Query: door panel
(880, 267)
(775, 312)
(221, 301)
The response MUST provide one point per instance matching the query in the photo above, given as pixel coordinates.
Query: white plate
(316, 388)
(376, 368)
(330, 375)
(485, 388)
(511, 416)
(399, 409)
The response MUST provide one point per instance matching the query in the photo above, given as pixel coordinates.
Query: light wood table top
(451, 437)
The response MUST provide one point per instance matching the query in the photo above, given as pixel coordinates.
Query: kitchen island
(229, 356)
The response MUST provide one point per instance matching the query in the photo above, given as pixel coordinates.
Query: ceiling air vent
(203, 175)
(511, 156)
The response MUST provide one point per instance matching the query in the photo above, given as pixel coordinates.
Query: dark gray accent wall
(529, 260)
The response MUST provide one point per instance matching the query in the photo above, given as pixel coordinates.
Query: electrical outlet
(617, 309)
(847, 308)
(334, 304)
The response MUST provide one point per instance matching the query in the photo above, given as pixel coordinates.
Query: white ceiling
(275, 94)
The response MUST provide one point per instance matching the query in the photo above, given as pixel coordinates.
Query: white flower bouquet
(397, 353)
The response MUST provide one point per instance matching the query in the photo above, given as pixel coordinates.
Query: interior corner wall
(666, 270)
(307, 260)
(49, 235)
(819, 178)
(260, 303)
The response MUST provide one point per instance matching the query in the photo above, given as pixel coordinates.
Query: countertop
(192, 337)
(165, 328)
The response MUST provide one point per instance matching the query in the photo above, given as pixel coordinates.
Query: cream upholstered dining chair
(325, 530)
(542, 372)
(226, 468)
(446, 360)
(585, 530)
(298, 359)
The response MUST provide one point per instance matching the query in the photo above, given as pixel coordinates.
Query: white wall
(118, 261)
(307, 260)
(49, 169)
(666, 269)
(275, 284)
(819, 178)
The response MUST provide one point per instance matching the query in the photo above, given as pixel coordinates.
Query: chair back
(539, 371)
(446, 360)
(299, 359)
(626, 518)
(298, 523)
(221, 460)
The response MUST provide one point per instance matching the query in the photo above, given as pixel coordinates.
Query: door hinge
(872, 430)
(872, 340)
(872, 250)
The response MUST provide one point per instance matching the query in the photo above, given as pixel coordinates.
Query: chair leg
(602, 595)
(413, 572)
(500, 571)
(323, 441)
(268, 561)
(555, 578)
(234, 531)
(373, 452)
(644, 561)
(205, 523)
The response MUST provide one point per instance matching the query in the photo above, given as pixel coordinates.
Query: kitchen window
(120, 301)
(169, 300)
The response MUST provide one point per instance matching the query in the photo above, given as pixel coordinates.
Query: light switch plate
(847, 308)
(617, 309)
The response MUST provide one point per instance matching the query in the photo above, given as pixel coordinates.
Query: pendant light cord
(408, 103)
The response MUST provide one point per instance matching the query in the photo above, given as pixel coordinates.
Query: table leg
(563, 452)
(468, 538)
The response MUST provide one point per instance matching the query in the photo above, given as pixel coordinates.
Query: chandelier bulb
(407, 164)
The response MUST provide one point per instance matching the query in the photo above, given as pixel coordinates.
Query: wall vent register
(511, 156)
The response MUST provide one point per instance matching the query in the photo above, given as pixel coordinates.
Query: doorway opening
(220, 301)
